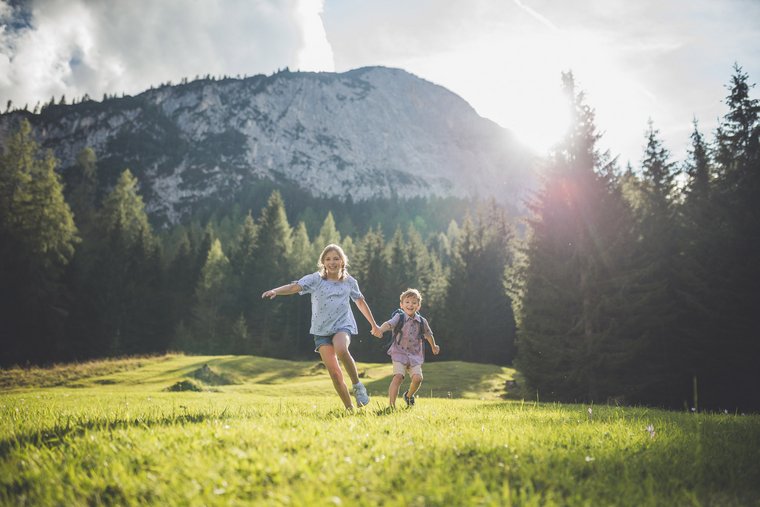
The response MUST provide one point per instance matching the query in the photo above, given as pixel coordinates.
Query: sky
(665, 60)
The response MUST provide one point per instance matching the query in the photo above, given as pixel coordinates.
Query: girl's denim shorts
(320, 340)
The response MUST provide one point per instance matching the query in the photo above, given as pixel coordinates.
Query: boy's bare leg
(393, 389)
(341, 341)
(330, 360)
(416, 383)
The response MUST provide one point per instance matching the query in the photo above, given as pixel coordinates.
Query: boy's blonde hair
(332, 247)
(410, 292)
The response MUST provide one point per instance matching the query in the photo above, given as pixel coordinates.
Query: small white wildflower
(650, 430)
(589, 459)
(590, 413)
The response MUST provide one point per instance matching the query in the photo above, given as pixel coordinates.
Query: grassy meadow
(254, 431)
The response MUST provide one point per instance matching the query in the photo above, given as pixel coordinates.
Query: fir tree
(272, 323)
(37, 240)
(126, 275)
(660, 279)
(698, 219)
(736, 299)
(479, 322)
(212, 303)
(328, 234)
(302, 261)
(83, 195)
(369, 267)
(570, 345)
(243, 267)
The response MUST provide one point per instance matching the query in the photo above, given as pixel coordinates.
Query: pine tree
(123, 212)
(328, 234)
(180, 282)
(658, 257)
(400, 275)
(369, 267)
(302, 258)
(37, 240)
(731, 382)
(83, 196)
(270, 320)
(212, 303)
(698, 218)
(479, 322)
(240, 337)
(243, 268)
(302, 262)
(125, 276)
(573, 299)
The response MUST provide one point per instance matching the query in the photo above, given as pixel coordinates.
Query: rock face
(368, 133)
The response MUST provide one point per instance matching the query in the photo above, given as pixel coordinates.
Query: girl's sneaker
(360, 392)
(408, 399)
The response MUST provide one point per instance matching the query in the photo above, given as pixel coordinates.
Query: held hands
(436, 349)
(271, 294)
(376, 331)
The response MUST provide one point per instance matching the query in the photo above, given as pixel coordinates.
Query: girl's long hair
(333, 248)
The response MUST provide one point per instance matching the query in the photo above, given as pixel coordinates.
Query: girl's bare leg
(330, 360)
(341, 341)
(393, 389)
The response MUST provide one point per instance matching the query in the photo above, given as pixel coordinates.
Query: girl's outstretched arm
(363, 307)
(284, 290)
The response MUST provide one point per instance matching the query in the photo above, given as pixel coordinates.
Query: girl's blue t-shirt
(330, 306)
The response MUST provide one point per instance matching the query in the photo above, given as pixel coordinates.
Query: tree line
(635, 285)
(85, 275)
(642, 285)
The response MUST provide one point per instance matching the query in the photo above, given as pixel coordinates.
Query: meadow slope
(256, 431)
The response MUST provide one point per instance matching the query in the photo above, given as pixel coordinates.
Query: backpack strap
(400, 324)
(398, 327)
(423, 325)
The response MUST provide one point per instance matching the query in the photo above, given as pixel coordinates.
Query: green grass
(272, 432)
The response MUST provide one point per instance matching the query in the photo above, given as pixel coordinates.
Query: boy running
(407, 349)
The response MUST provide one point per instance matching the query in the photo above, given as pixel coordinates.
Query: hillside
(365, 134)
(249, 374)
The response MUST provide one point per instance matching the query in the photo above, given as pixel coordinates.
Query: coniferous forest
(635, 285)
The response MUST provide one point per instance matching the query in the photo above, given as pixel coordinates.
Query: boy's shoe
(360, 392)
(408, 399)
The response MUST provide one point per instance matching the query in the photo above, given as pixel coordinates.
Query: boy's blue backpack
(396, 331)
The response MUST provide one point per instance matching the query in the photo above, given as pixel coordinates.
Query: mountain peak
(372, 132)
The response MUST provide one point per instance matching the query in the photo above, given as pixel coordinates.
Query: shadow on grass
(451, 379)
(76, 427)
(262, 370)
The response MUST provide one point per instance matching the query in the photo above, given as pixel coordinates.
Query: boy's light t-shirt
(330, 306)
(409, 349)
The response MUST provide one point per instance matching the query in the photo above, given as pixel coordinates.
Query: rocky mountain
(368, 133)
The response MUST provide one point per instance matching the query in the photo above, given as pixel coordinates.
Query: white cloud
(75, 47)
(636, 60)
(664, 60)
(316, 53)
